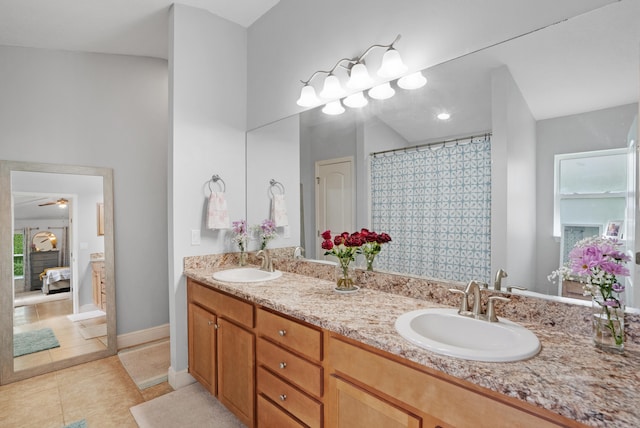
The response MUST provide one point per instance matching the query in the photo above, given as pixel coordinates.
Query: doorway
(335, 198)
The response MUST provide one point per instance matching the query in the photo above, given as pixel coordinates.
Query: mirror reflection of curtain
(435, 202)
(63, 247)
(27, 258)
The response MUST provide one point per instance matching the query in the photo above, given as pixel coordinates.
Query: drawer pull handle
(210, 322)
(282, 332)
(283, 365)
(283, 397)
(216, 326)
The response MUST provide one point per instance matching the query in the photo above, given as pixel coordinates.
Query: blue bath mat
(34, 341)
(77, 424)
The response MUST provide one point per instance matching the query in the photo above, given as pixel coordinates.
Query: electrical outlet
(195, 236)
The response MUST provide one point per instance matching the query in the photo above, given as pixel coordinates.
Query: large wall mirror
(569, 88)
(57, 291)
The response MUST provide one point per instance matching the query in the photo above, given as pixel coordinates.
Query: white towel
(279, 210)
(217, 213)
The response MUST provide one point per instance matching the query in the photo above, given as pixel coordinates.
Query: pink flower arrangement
(600, 261)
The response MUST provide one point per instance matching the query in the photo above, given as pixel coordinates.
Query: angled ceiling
(130, 27)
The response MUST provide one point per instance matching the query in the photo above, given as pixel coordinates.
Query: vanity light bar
(359, 80)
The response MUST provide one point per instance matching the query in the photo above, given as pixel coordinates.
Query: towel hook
(273, 183)
(215, 179)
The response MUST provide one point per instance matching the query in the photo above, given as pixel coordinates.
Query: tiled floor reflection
(54, 315)
(101, 392)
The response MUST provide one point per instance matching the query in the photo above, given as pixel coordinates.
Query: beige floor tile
(72, 375)
(28, 387)
(38, 411)
(156, 391)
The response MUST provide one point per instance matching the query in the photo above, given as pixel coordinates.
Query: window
(18, 254)
(590, 188)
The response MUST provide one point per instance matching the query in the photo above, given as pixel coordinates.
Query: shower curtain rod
(419, 146)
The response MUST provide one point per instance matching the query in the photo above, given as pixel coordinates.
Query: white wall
(273, 152)
(596, 130)
(105, 111)
(298, 37)
(513, 182)
(207, 122)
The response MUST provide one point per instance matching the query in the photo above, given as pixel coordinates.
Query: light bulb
(356, 100)
(332, 88)
(392, 65)
(382, 91)
(333, 108)
(443, 116)
(412, 81)
(308, 97)
(359, 77)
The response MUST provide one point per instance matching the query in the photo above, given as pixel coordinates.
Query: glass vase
(242, 258)
(608, 322)
(370, 259)
(345, 276)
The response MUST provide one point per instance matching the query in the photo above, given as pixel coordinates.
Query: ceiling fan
(62, 202)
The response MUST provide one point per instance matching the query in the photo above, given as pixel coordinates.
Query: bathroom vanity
(292, 353)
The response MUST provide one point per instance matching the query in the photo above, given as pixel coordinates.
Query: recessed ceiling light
(443, 116)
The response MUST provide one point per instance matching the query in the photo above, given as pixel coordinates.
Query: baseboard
(139, 337)
(179, 379)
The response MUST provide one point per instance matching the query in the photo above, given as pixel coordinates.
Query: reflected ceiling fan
(62, 203)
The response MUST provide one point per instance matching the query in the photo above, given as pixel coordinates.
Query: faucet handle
(491, 311)
(514, 287)
(464, 305)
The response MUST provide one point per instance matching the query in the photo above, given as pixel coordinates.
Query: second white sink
(246, 275)
(444, 331)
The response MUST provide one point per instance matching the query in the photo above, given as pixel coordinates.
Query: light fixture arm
(326, 71)
(361, 57)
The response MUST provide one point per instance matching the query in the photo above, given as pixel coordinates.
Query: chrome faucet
(473, 289)
(497, 284)
(267, 263)
(298, 253)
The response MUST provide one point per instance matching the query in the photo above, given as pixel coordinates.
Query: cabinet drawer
(223, 305)
(298, 371)
(292, 334)
(430, 395)
(303, 407)
(270, 415)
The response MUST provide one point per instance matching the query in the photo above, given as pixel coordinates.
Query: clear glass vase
(370, 258)
(345, 276)
(608, 321)
(242, 258)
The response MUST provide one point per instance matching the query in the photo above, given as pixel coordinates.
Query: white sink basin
(444, 331)
(246, 275)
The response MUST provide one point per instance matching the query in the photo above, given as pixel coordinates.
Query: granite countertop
(569, 376)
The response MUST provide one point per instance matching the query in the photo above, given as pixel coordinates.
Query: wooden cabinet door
(236, 370)
(354, 407)
(202, 346)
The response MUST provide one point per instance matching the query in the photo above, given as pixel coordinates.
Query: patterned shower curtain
(435, 202)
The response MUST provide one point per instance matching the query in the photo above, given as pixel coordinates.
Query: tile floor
(54, 315)
(101, 392)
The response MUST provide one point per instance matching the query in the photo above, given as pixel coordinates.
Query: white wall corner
(139, 337)
(179, 379)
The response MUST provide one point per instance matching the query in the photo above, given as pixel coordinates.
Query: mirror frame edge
(7, 372)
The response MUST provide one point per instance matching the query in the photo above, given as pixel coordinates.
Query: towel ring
(273, 183)
(216, 179)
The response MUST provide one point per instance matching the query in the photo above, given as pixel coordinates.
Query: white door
(632, 233)
(335, 198)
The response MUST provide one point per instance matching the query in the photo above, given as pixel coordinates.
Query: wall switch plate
(195, 236)
(286, 233)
